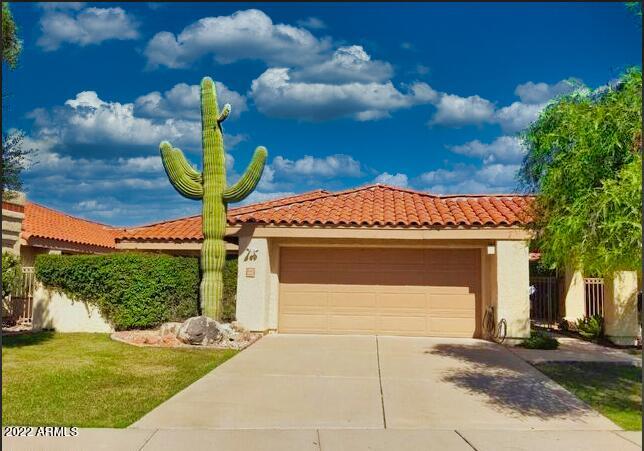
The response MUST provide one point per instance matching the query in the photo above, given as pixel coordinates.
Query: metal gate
(22, 297)
(594, 296)
(544, 299)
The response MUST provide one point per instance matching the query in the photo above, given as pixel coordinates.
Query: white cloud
(276, 95)
(331, 166)
(49, 6)
(517, 116)
(183, 101)
(142, 164)
(397, 179)
(504, 149)
(249, 34)
(442, 176)
(536, 93)
(84, 26)
(454, 110)
(87, 119)
(347, 64)
(488, 179)
(312, 23)
(259, 196)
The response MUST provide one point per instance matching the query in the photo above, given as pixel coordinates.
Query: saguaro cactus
(210, 186)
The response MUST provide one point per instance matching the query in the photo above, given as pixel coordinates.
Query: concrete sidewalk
(576, 350)
(330, 440)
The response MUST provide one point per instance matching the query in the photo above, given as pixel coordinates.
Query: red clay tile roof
(189, 228)
(374, 205)
(175, 229)
(43, 222)
(382, 205)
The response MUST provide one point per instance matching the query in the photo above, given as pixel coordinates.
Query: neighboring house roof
(382, 205)
(374, 205)
(43, 222)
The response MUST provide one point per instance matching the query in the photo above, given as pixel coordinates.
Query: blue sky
(427, 96)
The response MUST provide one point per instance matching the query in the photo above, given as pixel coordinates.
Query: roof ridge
(152, 224)
(338, 193)
(452, 196)
(264, 204)
(111, 227)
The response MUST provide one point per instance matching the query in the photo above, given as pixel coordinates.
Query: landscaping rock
(194, 330)
(213, 334)
(169, 329)
(227, 331)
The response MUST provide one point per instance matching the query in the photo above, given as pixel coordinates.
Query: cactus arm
(247, 183)
(184, 178)
(224, 114)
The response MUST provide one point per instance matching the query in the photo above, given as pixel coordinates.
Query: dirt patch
(155, 339)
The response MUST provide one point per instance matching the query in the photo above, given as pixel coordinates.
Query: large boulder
(193, 330)
(199, 330)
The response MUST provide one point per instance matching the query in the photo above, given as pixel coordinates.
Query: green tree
(11, 44)
(584, 163)
(14, 156)
(14, 160)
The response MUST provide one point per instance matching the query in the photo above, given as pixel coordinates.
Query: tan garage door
(423, 292)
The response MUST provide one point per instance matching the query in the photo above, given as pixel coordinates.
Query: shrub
(230, 290)
(10, 273)
(565, 325)
(539, 340)
(130, 290)
(591, 327)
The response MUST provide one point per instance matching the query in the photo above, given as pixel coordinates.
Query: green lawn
(89, 380)
(613, 390)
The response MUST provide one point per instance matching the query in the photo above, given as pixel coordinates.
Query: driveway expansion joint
(148, 439)
(465, 440)
(382, 397)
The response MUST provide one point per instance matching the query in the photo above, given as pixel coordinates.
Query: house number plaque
(250, 272)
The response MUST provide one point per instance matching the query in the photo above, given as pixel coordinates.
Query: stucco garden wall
(621, 322)
(512, 283)
(52, 310)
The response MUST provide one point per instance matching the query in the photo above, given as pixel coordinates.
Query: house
(375, 259)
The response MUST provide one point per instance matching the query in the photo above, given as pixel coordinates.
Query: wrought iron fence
(544, 299)
(594, 296)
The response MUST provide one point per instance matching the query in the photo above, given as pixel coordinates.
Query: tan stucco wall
(53, 310)
(253, 283)
(512, 283)
(28, 254)
(620, 308)
(574, 295)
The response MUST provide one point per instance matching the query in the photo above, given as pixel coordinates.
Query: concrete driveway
(310, 382)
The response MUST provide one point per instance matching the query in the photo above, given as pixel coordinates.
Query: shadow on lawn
(508, 383)
(26, 339)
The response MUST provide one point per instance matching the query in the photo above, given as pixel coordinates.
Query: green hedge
(230, 289)
(133, 290)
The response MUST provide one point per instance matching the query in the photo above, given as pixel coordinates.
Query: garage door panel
(387, 291)
(352, 323)
(304, 323)
(402, 324)
(402, 301)
(452, 302)
(351, 300)
(450, 327)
